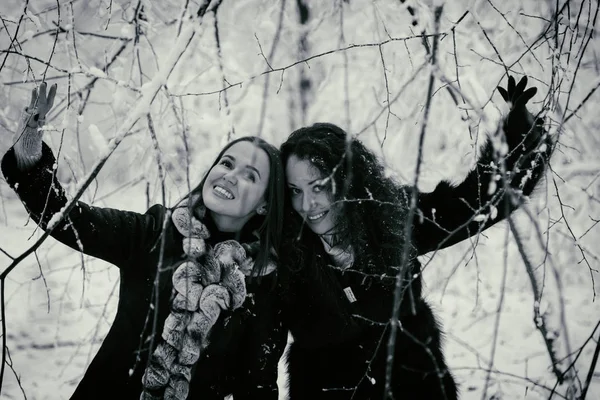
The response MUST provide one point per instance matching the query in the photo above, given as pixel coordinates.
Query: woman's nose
(231, 177)
(307, 202)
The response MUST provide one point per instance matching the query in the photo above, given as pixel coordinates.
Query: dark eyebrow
(310, 183)
(254, 169)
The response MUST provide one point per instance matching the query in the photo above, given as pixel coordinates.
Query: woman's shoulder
(158, 211)
(267, 285)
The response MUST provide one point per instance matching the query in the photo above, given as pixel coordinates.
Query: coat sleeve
(112, 235)
(264, 343)
(451, 213)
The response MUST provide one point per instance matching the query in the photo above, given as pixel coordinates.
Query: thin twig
(303, 61)
(231, 132)
(575, 239)
(13, 39)
(398, 290)
(498, 312)
(342, 42)
(586, 98)
(263, 106)
(387, 94)
(538, 317)
(590, 375)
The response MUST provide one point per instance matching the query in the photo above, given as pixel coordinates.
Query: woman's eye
(251, 177)
(227, 164)
(294, 191)
(318, 188)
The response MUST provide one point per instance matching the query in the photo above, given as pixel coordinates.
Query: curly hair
(373, 205)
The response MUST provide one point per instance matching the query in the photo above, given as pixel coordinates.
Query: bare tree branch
(399, 289)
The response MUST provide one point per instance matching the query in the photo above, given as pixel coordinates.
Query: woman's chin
(216, 205)
(320, 228)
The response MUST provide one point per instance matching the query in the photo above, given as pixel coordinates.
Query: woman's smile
(223, 193)
(315, 218)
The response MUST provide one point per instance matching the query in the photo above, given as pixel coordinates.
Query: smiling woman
(357, 261)
(310, 197)
(205, 271)
(235, 187)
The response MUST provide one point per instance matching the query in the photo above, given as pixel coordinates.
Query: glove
(520, 121)
(28, 137)
(515, 94)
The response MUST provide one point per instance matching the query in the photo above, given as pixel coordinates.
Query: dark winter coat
(339, 323)
(339, 319)
(245, 345)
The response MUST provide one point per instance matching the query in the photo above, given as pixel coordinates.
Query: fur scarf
(208, 281)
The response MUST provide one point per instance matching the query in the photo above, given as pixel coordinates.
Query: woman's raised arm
(451, 213)
(29, 168)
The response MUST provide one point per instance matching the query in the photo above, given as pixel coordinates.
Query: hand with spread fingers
(28, 137)
(520, 123)
(515, 94)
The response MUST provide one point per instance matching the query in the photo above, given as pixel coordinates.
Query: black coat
(245, 345)
(339, 323)
(339, 319)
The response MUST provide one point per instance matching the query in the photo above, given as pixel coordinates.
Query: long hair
(268, 226)
(373, 206)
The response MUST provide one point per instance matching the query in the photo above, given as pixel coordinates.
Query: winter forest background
(172, 81)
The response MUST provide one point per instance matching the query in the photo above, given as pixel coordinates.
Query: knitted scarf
(207, 281)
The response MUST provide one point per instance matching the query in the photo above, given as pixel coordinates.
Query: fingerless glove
(28, 146)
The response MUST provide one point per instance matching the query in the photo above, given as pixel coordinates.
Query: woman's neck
(228, 224)
(329, 239)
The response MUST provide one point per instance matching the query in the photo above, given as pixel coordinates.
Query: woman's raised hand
(41, 104)
(28, 137)
(515, 94)
(521, 124)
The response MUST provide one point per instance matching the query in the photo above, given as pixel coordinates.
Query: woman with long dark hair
(350, 242)
(203, 273)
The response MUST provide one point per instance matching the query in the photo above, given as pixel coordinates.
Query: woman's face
(311, 196)
(235, 187)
